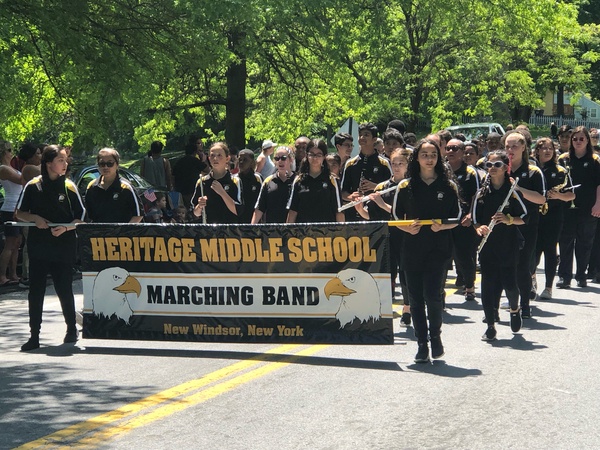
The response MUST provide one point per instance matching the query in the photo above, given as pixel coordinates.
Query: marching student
(559, 191)
(500, 254)
(217, 196)
(533, 188)
(250, 182)
(51, 197)
(315, 193)
(271, 206)
(428, 193)
(580, 222)
(379, 207)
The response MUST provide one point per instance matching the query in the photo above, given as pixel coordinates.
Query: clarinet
(500, 208)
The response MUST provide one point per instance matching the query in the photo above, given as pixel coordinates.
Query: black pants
(424, 289)
(464, 251)
(526, 265)
(577, 235)
(62, 276)
(493, 280)
(549, 230)
(594, 266)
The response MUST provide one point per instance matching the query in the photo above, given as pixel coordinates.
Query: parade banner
(301, 283)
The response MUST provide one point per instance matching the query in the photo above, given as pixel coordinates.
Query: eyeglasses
(453, 148)
(470, 153)
(315, 155)
(580, 139)
(106, 163)
(280, 158)
(594, 136)
(496, 164)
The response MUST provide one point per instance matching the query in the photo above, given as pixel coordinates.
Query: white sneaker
(505, 305)
(546, 293)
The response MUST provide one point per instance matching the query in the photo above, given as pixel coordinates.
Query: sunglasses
(280, 158)
(496, 164)
(470, 153)
(580, 139)
(453, 148)
(106, 163)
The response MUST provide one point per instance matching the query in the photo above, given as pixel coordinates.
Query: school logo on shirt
(460, 177)
(440, 195)
(61, 197)
(375, 170)
(524, 174)
(586, 164)
(226, 187)
(324, 185)
(116, 196)
(553, 175)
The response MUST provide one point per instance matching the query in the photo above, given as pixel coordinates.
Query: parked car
(472, 130)
(142, 186)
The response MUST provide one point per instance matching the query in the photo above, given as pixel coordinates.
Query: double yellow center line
(96, 431)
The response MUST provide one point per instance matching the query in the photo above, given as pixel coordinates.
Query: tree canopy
(127, 72)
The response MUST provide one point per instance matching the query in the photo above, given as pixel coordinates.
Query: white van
(472, 130)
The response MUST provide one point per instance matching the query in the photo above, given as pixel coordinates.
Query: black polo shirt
(216, 209)
(586, 172)
(116, 204)
(273, 198)
(556, 177)
(375, 212)
(315, 199)
(415, 199)
(250, 183)
(502, 247)
(57, 201)
(532, 178)
(468, 181)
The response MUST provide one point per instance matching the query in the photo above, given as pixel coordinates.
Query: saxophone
(544, 207)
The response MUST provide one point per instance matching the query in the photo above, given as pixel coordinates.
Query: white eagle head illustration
(359, 293)
(109, 295)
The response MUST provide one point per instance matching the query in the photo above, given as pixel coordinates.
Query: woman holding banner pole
(218, 197)
(427, 193)
(51, 198)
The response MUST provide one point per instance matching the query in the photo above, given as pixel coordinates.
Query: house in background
(584, 112)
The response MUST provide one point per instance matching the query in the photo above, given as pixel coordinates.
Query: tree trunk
(560, 100)
(235, 108)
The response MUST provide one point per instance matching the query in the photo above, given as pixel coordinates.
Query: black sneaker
(422, 355)
(71, 336)
(515, 320)
(490, 334)
(582, 283)
(405, 319)
(563, 283)
(437, 348)
(525, 312)
(24, 283)
(31, 344)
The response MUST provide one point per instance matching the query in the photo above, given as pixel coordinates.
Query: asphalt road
(535, 389)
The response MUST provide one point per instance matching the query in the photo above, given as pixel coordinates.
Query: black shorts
(9, 231)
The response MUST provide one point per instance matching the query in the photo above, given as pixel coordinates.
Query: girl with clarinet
(427, 193)
(496, 207)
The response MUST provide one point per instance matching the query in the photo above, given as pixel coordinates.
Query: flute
(365, 198)
(401, 223)
(500, 208)
(32, 224)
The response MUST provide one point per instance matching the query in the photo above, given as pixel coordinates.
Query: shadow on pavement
(440, 368)
(243, 356)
